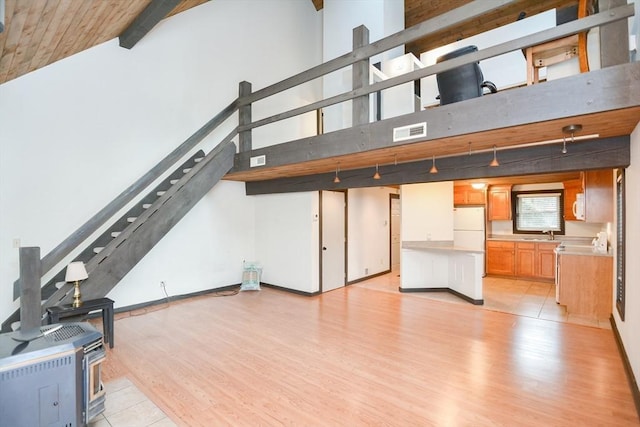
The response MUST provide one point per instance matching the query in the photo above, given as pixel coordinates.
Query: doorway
(394, 230)
(333, 242)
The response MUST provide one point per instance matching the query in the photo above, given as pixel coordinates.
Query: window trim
(514, 210)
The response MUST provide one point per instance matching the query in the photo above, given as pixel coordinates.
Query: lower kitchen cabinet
(585, 285)
(525, 259)
(531, 260)
(501, 258)
(546, 261)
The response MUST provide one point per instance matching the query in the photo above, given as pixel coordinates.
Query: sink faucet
(550, 233)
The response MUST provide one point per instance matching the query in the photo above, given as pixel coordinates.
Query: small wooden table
(58, 312)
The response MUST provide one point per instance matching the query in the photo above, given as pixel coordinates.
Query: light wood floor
(358, 356)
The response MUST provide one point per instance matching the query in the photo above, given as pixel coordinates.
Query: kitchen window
(538, 211)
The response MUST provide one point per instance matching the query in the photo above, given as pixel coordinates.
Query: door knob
(324, 248)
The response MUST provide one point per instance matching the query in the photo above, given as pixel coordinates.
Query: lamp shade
(76, 271)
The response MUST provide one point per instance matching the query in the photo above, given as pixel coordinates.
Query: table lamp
(75, 273)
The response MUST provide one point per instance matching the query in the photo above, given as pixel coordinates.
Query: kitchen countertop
(588, 250)
(566, 240)
(437, 246)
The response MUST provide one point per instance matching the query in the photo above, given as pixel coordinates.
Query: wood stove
(54, 380)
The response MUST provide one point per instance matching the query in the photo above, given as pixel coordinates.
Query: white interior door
(333, 240)
(395, 234)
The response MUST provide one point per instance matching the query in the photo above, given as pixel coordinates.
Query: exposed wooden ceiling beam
(417, 11)
(593, 154)
(319, 4)
(155, 12)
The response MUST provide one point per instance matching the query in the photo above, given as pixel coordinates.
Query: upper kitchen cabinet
(597, 190)
(598, 196)
(467, 195)
(499, 200)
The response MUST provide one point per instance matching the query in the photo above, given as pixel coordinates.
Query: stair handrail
(50, 260)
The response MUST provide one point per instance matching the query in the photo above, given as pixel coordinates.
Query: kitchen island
(436, 266)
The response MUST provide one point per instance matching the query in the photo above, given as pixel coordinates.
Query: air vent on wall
(417, 130)
(258, 161)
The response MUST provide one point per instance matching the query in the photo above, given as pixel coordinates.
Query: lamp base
(77, 302)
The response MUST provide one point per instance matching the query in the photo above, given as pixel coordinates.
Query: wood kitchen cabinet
(585, 285)
(546, 260)
(531, 260)
(598, 196)
(467, 195)
(525, 259)
(597, 187)
(499, 200)
(501, 258)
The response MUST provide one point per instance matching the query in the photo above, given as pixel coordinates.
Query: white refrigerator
(468, 229)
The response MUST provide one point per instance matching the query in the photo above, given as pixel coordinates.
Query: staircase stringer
(117, 258)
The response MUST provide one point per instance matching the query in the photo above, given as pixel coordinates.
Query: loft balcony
(524, 124)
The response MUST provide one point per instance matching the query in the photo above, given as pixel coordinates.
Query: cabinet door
(525, 259)
(467, 195)
(475, 197)
(459, 195)
(546, 261)
(598, 196)
(500, 202)
(500, 258)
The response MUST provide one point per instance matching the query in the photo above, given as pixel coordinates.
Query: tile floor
(127, 406)
(515, 296)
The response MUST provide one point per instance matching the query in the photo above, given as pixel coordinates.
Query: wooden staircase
(112, 255)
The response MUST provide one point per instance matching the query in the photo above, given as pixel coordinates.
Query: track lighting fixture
(336, 180)
(377, 174)
(433, 169)
(494, 162)
(570, 129)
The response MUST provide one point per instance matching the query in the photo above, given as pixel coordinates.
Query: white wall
(78, 132)
(287, 239)
(506, 70)
(427, 211)
(203, 251)
(381, 17)
(369, 231)
(631, 325)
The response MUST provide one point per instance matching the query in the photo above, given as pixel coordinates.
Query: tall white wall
(381, 17)
(427, 211)
(369, 231)
(631, 325)
(76, 133)
(287, 240)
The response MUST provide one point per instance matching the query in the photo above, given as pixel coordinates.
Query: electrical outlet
(162, 284)
(366, 271)
(16, 242)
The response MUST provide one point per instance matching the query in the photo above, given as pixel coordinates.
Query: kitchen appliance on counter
(469, 230)
(600, 243)
(578, 207)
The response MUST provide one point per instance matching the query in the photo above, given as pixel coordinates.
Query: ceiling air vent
(417, 130)
(258, 161)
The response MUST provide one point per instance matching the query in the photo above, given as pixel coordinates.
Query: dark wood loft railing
(359, 59)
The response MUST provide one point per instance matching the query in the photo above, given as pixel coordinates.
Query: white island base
(436, 266)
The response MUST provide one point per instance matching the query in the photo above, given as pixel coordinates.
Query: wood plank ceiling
(38, 33)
